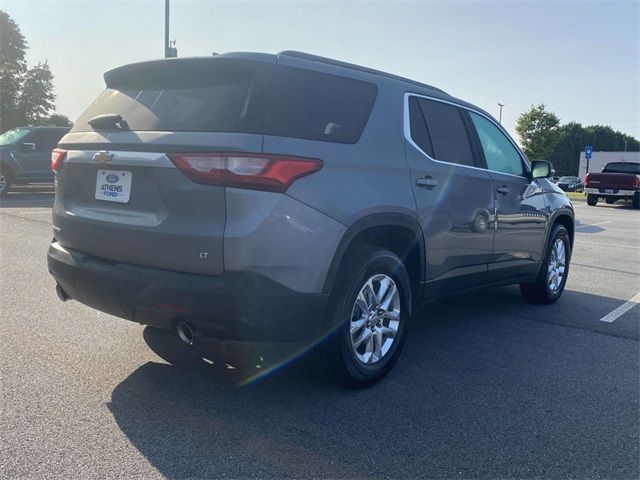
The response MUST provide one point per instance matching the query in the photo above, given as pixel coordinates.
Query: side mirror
(28, 147)
(541, 169)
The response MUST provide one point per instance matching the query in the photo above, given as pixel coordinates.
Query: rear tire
(6, 181)
(592, 200)
(552, 278)
(371, 309)
(636, 201)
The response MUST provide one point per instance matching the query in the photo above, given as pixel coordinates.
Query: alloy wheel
(557, 265)
(375, 319)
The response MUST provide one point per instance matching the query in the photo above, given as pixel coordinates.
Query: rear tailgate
(120, 197)
(613, 181)
(169, 222)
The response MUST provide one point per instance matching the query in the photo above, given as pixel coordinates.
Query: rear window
(236, 96)
(622, 168)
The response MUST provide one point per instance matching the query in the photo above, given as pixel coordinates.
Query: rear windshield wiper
(109, 121)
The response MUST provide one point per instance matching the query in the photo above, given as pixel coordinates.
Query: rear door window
(49, 139)
(226, 95)
(448, 132)
(419, 132)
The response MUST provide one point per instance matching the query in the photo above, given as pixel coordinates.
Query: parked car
(25, 154)
(570, 184)
(617, 181)
(292, 197)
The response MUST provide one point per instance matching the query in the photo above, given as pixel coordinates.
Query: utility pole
(169, 47)
(500, 105)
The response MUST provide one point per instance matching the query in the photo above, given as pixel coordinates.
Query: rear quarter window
(318, 106)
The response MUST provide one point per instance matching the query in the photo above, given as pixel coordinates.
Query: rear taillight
(57, 157)
(586, 180)
(636, 182)
(273, 173)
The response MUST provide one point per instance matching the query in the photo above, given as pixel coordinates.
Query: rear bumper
(233, 305)
(613, 193)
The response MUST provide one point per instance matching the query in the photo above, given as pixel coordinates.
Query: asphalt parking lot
(487, 386)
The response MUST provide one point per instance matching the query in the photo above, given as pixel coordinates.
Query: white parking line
(594, 224)
(609, 244)
(31, 212)
(621, 310)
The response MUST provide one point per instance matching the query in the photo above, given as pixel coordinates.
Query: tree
(26, 94)
(57, 120)
(36, 98)
(12, 71)
(573, 137)
(538, 131)
(566, 154)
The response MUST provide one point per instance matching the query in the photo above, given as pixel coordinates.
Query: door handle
(503, 190)
(427, 182)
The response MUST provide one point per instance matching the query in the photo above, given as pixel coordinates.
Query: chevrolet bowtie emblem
(102, 156)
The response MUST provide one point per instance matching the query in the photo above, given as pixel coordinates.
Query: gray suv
(296, 198)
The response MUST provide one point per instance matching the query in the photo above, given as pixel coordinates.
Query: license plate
(608, 190)
(113, 186)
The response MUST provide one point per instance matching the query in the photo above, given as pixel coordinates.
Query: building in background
(600, 159)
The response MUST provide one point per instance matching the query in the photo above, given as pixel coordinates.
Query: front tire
(592, 200)
(371, 310)
(552, 278)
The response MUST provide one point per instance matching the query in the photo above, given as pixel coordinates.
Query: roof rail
(353, 66)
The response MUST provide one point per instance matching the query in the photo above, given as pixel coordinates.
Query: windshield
(12, 137)
(622, 168)
(567, 179)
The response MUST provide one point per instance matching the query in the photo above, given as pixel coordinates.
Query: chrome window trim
(407, 135)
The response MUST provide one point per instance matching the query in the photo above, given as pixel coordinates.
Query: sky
(581, 58)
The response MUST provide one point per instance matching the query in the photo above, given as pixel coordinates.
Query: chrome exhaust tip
(62, 295)
(185, 332)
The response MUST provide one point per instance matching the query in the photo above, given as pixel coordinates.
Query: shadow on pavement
(29, 196)
(476, 393)
(586, 228)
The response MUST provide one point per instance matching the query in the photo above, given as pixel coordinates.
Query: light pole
(170, 49)
(166, 28)
(500, 117)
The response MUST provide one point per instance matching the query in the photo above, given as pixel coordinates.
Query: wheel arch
(399, 233)
(7, 169)
(566, 219)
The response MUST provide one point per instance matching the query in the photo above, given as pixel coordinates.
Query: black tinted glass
(49, 139)
(236, 96)
(201, 97)
(317, 106)
(448, 132)
(622, 168)
(419, 133)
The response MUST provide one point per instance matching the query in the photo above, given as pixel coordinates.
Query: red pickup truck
(617, 181)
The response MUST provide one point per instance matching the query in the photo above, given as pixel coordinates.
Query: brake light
(273, 173)
(586, 180)
(636, 182)
(57, 157)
